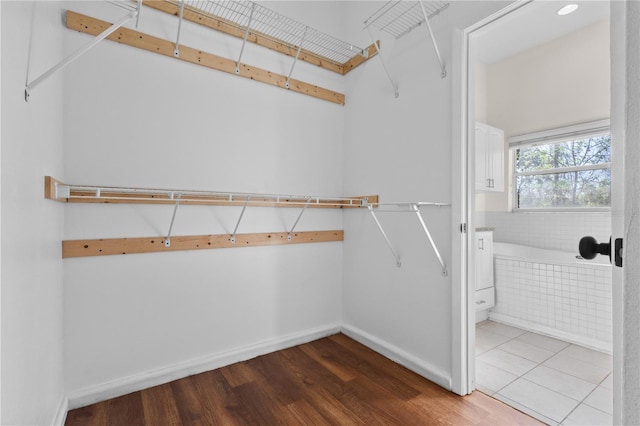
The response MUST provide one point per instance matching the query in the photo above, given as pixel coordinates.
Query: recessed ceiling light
(565, 10)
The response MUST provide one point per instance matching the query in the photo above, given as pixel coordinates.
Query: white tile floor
(551, 380)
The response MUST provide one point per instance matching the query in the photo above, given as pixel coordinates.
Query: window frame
(549, 137)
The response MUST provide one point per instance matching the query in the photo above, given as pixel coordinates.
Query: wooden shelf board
(114, 246)
(94, 26)
(113, 197)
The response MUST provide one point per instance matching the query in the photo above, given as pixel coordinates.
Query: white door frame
(625, 174)
(463, 205)
(625, 125)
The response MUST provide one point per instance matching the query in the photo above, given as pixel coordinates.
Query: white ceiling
(531, 25)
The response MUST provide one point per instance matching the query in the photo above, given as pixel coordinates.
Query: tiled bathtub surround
(572, 302)
(556, 231)
(576, 302)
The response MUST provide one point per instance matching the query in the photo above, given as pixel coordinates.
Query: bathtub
(517, 251)
(555, 293)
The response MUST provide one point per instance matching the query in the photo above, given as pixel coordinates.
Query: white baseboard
(61, 413)
(552, 332)
(125, 385)
(398, 355)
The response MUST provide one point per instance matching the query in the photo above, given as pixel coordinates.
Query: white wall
(401, 149)
(550, 230)
(32, 301)
(556, 84)
(133, 118)
(563, 82)
(480, 84)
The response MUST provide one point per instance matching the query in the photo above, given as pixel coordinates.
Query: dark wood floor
(334, 380)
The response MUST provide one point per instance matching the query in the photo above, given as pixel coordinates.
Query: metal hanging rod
(247, 15)
(399, 17)
(134, 12)
(408, 207)
(405, 207)
(102, 194)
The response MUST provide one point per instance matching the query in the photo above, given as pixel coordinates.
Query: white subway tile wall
(575, 300)
(550, 230)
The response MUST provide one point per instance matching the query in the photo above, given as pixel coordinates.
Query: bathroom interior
(544, 316)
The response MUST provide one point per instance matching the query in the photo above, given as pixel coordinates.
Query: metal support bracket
(416, 208)
(443, 70)
(298, 219)
(176, 51)
(384, 234)
(29, 86)
(138, 9)
(295, 60)
(246, 35)
(167, 241)
(396, 92)
(235, 230)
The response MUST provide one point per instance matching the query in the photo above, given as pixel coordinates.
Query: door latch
(590, 248)
(618, 252)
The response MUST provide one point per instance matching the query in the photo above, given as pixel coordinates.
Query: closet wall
(133, 118)
(401, 148)
(32, 302)
(120, 116)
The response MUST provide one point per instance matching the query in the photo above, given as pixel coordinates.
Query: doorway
(543, 338)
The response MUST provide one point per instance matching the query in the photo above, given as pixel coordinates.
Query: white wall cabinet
(485, 291)
(489, 158)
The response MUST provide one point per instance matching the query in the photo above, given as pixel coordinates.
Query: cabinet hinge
(463, 228)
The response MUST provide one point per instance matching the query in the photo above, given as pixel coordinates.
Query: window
(567, 168)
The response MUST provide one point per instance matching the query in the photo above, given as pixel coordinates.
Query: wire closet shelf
(281, 29)
(401, 17)
(59, 191)
(398, 18)
(164, 196)
(408, 207)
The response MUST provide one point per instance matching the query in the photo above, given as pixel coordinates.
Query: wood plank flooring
(334, 380)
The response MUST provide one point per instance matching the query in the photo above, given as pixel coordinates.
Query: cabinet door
(484, 259)
(482, 141)
(485, 299)
(495, 153)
